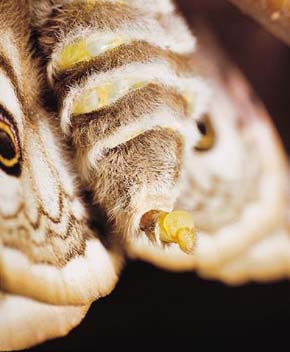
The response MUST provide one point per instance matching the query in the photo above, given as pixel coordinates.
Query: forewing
(47, 250)
(24, 322)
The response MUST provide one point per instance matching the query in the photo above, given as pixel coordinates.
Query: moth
(113, 100)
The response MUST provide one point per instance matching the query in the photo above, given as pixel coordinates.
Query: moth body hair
(156, 117)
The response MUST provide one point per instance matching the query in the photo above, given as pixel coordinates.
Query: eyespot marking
(9, 145)
(208, 135)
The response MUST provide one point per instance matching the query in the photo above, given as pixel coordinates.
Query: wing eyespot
(9, 146)
(208, 135)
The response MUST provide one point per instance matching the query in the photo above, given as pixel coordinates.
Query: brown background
(264, 60)
(153, 309)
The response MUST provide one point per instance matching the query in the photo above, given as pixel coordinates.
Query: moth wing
(47, 250)
(239, 240)
(262, 223)
(267, 260)
(24, 322)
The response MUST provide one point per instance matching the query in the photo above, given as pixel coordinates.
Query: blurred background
(153, 309)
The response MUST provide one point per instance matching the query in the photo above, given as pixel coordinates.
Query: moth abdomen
(136, 176)
(143, 109)
(130, 93)
(125, 83)
(104, 25)
(124, 54)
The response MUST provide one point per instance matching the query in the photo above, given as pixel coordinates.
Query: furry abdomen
(149, 100)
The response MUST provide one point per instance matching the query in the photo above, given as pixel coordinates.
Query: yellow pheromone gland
(178, 227)
(175, 227)
(94, 99)
(98, 97)
(72, 54)
(85, 49)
